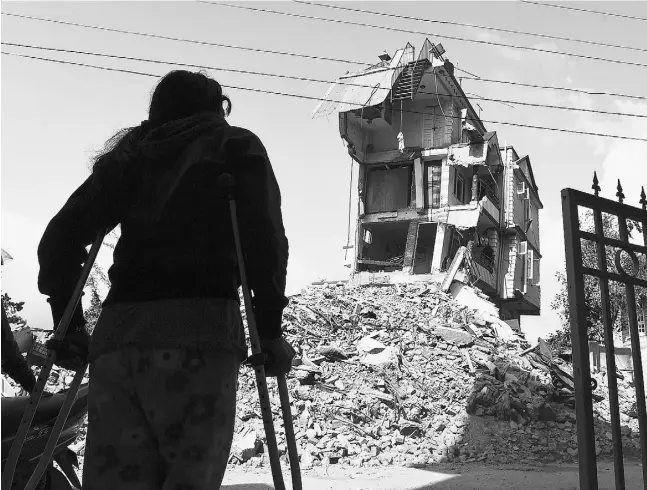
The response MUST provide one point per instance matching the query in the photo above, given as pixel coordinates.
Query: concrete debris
(368, 345)
(246, 446)
(411, 376)
(454, 336)
(387, 356)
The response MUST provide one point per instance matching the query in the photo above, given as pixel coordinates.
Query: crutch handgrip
(227, 183)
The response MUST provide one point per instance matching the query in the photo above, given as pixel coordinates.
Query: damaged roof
(355, 91)
(362, 89)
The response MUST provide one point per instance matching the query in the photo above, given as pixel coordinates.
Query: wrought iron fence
(622, 262)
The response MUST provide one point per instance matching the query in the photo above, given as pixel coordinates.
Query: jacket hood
(175, 135)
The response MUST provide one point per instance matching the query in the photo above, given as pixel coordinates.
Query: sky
(56, 117)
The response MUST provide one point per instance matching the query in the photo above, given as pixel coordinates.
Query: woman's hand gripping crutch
(227, 184)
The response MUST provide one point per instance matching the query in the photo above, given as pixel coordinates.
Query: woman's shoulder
(244, 139)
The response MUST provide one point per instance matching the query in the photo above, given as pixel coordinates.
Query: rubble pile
(406, 374)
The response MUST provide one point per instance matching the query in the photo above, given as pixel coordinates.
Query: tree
(561, 340)
(12, 308)
(92, 311)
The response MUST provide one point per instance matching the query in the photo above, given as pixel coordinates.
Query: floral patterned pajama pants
(160, 419)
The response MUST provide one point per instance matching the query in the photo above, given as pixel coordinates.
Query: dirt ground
(437, 477)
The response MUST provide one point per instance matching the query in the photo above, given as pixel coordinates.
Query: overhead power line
(475, 26)
(555, 87)
(308, 97)
(588, 11)
(300, 55)
(184, 40)
(309, 79)
(410, 31)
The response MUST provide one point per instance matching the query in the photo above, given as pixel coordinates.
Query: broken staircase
(407, 84)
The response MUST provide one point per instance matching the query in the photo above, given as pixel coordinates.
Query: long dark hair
(178, 95)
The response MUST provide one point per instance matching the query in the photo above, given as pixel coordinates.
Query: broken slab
(502, 329)
(387, 356)
(454, 335)
(468, 296)
(368, 345)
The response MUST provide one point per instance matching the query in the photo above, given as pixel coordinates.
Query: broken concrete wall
(467, 155)
(509, 265)
(409, 121)
(388, 189)
(353, 134)
(409, 254)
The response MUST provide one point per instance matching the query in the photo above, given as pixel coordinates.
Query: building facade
(432, 179)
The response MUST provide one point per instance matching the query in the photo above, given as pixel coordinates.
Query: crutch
(226, 183)
(34, 399)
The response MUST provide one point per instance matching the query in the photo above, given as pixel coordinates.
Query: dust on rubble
(405, 375)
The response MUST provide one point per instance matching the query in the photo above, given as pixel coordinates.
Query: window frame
(432, 201)
(458, 177)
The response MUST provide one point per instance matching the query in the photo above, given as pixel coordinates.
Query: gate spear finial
(643, 198)
(621, 196)
(595, 185)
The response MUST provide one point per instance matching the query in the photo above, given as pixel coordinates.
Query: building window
(641, 321)
(459, 185)
(527, 215)
(433, 176)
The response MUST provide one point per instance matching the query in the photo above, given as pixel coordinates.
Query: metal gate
(604, 271)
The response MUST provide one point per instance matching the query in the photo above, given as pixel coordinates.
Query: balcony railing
(486, 189)
(486, 261)
(482, 267)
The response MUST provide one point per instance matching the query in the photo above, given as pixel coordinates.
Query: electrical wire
(461, 24)
(437, 97)
(316, 80)
(555, 87)
(410, 31)
(180, 39)
(308, 97)
(350, 202)
(610, 14)
(300, 55)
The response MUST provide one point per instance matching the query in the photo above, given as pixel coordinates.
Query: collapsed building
(432, 181)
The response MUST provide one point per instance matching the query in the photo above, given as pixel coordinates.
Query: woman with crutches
(165, 353)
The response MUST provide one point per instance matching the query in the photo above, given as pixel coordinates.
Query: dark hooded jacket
(176, 234)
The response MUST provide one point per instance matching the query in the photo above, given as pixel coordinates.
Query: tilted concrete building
(432, 179)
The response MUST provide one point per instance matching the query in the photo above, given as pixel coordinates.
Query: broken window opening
(459, 185)
(484, 256)
(527, 215)
(487, 187)
(425, 248)
(388, 189)
(456, 239)
(387, 247)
